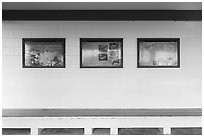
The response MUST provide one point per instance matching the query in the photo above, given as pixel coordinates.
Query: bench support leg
(114, 131)
(34, 131)
(88, 131)
(167, 130)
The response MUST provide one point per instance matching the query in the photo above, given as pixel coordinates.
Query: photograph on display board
(43, 53)
(103, 57)
(158, 52)
(101, 53)
(103, 48)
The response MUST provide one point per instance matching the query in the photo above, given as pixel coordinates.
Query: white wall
(127, 87)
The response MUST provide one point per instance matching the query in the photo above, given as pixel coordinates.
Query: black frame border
(158, 40)
(100, 40)
(43, 40)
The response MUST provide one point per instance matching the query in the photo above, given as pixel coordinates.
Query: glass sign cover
(44, 53)
(162, 52)
(101, 53)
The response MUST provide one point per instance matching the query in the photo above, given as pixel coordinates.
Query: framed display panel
(101, 53)
(43, 52)
(158, 52)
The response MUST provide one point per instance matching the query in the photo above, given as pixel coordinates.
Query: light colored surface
(127, 87)
(34, 131)
(102, 6)
(88, 123)
(167, 130)
(88, 131)
(114, 131)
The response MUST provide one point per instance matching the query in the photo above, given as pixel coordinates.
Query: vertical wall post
(34, 131)
(167, 131)
(114, 131)
(88, 131)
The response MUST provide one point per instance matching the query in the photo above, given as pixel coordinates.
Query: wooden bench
(101, 118)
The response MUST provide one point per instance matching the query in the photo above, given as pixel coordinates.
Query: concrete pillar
(88, 131)
(34, 131)
(114, 131)
(167, 130)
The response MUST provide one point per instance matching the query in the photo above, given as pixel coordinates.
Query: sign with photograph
(43, 53)
(101, 53)
(158, 52)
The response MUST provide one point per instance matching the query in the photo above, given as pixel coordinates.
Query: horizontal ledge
(102, 15)
(99, 112)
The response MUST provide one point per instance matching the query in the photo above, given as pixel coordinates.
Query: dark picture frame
(101, 52)
(158, 53)
(43, 53)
